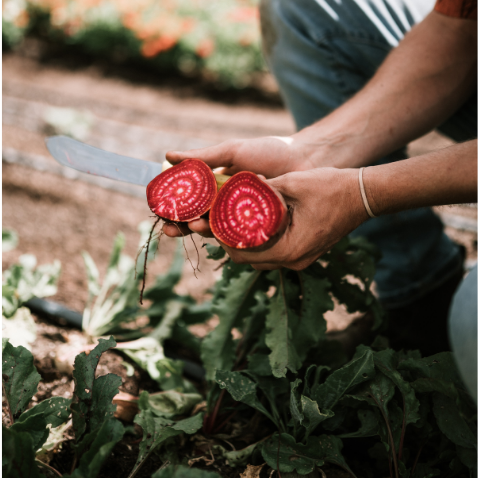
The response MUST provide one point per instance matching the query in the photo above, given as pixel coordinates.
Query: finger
(217, 156)
(201, 227)
(172, 229)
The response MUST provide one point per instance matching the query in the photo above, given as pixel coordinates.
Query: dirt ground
(58, 214)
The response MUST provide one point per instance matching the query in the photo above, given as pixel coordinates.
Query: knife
(88, 159)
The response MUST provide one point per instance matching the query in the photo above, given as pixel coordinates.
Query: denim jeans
(463, 329)
(322, 52)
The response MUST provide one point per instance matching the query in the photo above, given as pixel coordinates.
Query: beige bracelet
(364, 196)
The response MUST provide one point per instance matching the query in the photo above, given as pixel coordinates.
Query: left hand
(326, 205)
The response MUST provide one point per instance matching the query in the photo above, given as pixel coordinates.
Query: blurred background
(137, 78)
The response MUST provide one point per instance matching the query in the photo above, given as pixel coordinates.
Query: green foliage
(157, 430)
(169, 404)
(101, 443)
(115, 302)
(93, 396)
(180, 471)
(9, 240)
(412, 415)
(19, 377)
(24, 280)
(18, 455)
(397, 400)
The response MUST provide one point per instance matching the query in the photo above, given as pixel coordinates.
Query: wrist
(325, 147)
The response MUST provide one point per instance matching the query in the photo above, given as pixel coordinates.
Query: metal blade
(91, 160)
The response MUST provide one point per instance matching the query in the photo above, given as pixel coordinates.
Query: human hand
(325, 205)
(269, 157)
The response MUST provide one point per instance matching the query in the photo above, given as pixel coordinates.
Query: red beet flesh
(247, 213)
(184, 192)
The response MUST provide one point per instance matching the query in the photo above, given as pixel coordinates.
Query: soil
(57, 217)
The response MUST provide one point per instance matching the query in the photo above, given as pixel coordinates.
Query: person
(362, 79)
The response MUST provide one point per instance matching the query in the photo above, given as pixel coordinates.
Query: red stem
(211, 422)
(278, 453)
(225, 421)
(394, 453)
(53, 470)
(416, 460)
(404, 426)
(8, 405)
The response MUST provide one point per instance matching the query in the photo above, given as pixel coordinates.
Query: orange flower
(152, 47)
(22, 20)
(130, 20)
(205, 48)
(244, 14)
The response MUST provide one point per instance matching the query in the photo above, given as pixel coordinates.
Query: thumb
(284, 186)
(220, 155)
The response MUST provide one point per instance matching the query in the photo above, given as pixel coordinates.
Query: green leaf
(312, 415)
(18, 455)
(173, 312)
(330, 448)
(19, 377)
(295, 406)
(451, 422)
(288, 455)
(368, 425)
(259, 365)
(148, 354)
(316, 301)
(24, 280)
(92, 398)
(115, 302)
(242, 389)
(215, 253)
(239, 457)
(352, 257)
(189, 425)
(280, 322)
(9, 240)
(20, 329)
(231, 305)
(170, 403)
(386, 362)
(181, 471)
(359, 370)
(163, 286)
(103, 440)
(437, 373)
(35, 426)
(157, 430)
(467, 456)
(92, 274)
(423, 470)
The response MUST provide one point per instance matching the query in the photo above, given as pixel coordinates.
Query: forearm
(447, 176)
(421, 83)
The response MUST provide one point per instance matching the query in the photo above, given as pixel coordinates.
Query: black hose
(64, 316)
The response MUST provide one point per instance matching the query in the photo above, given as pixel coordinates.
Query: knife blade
(88, 159)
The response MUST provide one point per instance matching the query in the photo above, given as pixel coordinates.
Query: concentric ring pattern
(184, 192)
(246, 212)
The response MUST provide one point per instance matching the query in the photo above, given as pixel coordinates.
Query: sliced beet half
(184, 192)
(247, 213)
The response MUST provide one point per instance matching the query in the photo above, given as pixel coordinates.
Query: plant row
(274, 382)
(218, 40)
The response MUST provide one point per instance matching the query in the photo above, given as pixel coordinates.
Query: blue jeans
(462, 330)
(322, 52)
